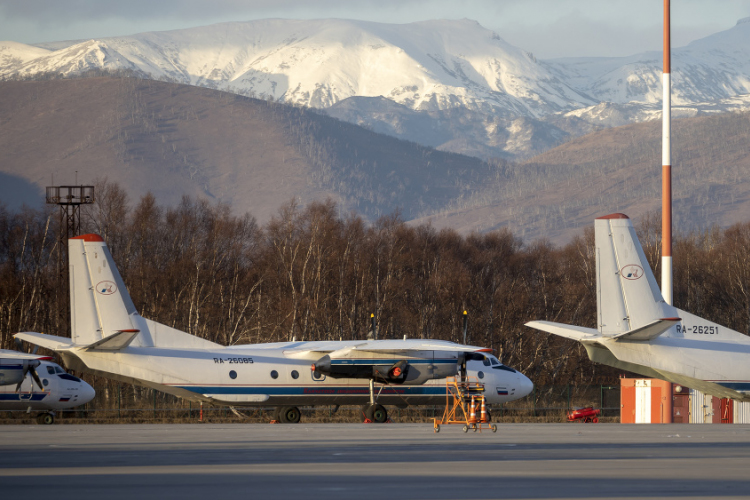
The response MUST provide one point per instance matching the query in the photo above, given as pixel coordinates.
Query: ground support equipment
(585, 415)
(463, 399)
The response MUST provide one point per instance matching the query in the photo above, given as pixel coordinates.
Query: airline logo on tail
(106, 287)
(631, 272)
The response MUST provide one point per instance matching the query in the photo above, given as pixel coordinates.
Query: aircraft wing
(404, 346)
(391, 347)
(580, 333)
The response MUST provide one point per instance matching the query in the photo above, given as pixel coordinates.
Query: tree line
(312, 273)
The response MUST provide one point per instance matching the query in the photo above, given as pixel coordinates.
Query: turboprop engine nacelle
(401, 372)
(13, 371)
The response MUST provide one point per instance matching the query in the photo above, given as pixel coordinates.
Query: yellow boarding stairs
(463, 400)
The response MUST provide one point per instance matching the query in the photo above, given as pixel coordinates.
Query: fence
(130, 404)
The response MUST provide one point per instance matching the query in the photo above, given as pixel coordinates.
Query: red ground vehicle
(585, 415)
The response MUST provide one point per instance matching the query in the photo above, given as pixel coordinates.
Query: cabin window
(317, 375)
(480, 374)
(45, 382)
(295, 374)
(232, 374)
(274, 374)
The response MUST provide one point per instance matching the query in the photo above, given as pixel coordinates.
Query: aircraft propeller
(29, 366)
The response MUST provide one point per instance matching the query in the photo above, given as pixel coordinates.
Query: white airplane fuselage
(269, 375)
(111, 339)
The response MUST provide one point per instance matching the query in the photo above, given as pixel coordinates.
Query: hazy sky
(548, 28)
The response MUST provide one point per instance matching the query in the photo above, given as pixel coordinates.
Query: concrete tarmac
(387, 461)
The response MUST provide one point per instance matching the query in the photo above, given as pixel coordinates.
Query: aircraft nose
(525, 386)
(87, 393)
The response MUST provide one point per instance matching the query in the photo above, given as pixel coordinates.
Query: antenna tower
(69, 199)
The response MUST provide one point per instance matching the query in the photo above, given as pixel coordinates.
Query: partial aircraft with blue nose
(36, 383)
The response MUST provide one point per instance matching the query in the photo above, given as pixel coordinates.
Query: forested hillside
(563, 190)
(311, 273)
(173, 139)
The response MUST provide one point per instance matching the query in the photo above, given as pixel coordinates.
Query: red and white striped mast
(666, 169)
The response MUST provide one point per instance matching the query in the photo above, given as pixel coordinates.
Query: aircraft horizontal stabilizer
(648, 332)
(47, 341)
(579, 333)
(114, 342)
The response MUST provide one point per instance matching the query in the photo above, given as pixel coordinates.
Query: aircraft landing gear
(377, 414)
(45, 418)
(374, 412)
(287, 415)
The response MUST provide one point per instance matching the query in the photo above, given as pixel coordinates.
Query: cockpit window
(66, 376)
(486, 361)
(51, 370)
(494, 361)
(503, 367)
(58, 370)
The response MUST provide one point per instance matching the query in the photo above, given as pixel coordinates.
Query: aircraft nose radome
(525, 386)
(87, 393)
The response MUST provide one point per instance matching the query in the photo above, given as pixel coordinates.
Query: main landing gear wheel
(376, 413)
(289, 415)
(45, 419)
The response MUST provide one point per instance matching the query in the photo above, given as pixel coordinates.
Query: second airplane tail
(628, 297)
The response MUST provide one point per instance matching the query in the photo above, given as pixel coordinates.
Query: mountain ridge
(437, 70)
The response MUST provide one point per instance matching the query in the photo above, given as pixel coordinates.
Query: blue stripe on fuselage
(736, 386)
(17, 397)
(313, 390)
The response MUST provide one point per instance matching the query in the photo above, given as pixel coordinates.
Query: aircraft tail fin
(628, 297)
(100, 305)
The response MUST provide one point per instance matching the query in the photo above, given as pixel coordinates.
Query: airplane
(639, 332)
(110, 339)
(35, 383)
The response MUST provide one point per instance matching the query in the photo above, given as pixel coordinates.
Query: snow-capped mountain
(453, 85)
(712, 68)
(425, 66)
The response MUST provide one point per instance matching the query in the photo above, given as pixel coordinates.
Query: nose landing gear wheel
(45, 419)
